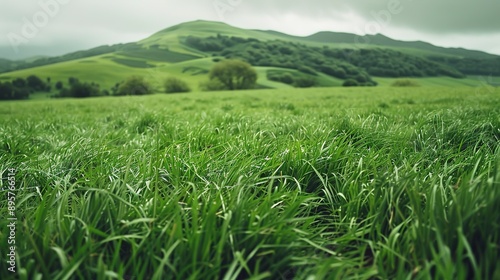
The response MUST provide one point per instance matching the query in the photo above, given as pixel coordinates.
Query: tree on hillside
(59, 85)
(234, 74)
(35, 83)
(6, 91)
(82, 90)
(72, 80)
(19, 82)
(305, 82)
(350, 83)
(134, 85)
(78, 89)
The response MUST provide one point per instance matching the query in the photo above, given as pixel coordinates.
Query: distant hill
(168, 52)
(383, 41)
(6, 65)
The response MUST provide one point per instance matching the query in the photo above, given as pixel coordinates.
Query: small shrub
(175, 85)
(405, 83)
(361, 78)
(134, 86)
(306, 70)
(64, 92)
(79, 90)
(286, 78)
(72, 80)
(305, 82)
(59, 85)
(350, 83)
(212, 85)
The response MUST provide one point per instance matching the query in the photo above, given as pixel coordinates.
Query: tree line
(472, 66)
(225, 75)
(20, 88)
(281, 54)
(347, 64)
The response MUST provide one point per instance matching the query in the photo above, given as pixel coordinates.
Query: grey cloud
(432, 16)
(444, 16)
(97, 22)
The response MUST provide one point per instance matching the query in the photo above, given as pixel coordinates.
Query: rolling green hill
(167, 53)
(423, 48)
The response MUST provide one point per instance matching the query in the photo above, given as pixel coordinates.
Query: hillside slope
(404, 46)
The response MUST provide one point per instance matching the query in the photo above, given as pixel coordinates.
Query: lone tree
(35, 83)
(234, 74)
(134, 85)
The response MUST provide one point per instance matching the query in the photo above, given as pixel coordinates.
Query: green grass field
(325, 183)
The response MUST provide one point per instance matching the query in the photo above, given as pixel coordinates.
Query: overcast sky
(54, 27)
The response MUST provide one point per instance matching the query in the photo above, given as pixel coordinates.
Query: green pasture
(324, 183)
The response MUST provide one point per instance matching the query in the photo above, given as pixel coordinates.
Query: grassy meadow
(325, 183)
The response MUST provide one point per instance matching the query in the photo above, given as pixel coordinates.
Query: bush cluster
(78, 89)
(300, 80)
(212, 85)
(175, 85)
(405, 83)
(135, 85)
(20, 88)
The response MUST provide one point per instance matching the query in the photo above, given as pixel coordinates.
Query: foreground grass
(311, 184)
